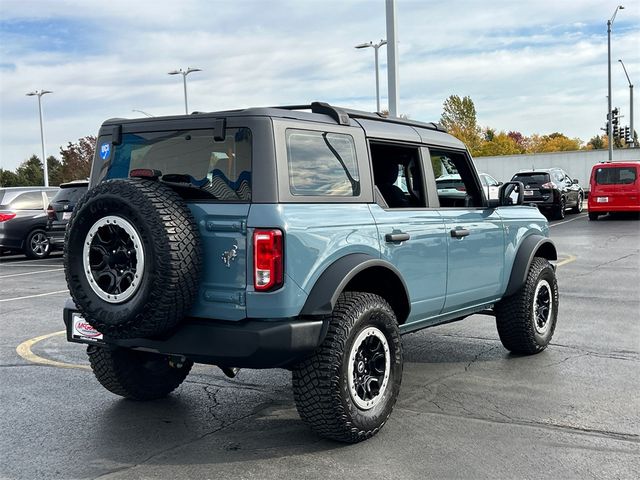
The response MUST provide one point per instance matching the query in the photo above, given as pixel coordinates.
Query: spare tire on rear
(132, 258)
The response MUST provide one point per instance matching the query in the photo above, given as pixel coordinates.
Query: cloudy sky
(534, 66)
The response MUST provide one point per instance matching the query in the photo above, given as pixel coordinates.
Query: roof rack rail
(342, 115)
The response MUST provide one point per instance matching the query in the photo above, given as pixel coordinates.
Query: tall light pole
(375, 47)
(633, 138)
(609, 115)
(184, 74)
(39, 94)
(392, 58)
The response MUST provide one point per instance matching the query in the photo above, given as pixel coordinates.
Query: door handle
(397, 237)
(459, 232)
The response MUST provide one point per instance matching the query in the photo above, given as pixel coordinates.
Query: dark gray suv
(23, 220)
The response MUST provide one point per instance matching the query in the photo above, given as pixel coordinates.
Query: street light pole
(609, 114)
(184, 74)
(392, 58)
(375, 46)
(39, 94)
(633, 137)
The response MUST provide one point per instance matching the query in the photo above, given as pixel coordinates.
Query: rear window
(531, 178)
(69, 194)
(616, 175)
(193, 162)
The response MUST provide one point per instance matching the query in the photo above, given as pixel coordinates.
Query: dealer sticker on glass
(82, 330)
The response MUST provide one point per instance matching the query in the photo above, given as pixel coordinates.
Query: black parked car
(23, 220)
(551, 190)
(60, 208)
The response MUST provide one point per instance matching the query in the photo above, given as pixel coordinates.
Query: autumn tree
(76, 158)
(597, 142)
(459, 119)
(8, 178)
(498, 144)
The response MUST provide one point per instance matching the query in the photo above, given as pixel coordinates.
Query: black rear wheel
(560, 210)
(346, 390)
(593, 216)
(578, 207)
(137, 375)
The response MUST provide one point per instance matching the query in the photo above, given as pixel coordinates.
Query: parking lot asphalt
(467, 408)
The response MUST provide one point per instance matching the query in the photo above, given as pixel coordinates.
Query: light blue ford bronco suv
(305, 237)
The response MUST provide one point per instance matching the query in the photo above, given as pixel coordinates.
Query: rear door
(211, 169)
(617, 186)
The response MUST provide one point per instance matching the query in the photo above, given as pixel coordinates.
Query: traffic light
(627, 137)
(614, 121)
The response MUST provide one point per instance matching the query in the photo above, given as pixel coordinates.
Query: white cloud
(529, 66)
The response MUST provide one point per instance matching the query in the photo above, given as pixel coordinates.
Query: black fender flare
(336, 277)
(532, 246)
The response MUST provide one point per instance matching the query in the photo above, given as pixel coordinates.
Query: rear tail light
(51, 213)
(548, 186)
(6, 216)
(267, 260)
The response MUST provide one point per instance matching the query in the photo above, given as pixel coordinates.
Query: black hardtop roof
(319, 112)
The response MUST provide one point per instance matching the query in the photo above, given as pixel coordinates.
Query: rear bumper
(56, 232)
(607, 207)
(251, 343)
(10, 242)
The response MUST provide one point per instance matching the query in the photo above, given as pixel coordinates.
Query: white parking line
(22, 265)
(30, 273)
(567, 221)
(34, 296)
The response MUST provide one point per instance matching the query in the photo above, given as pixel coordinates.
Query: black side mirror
(500, 183)
(575, 181)
(511, 193)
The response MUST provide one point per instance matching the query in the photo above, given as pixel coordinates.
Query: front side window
(192, 162)
(455, 180)
(322, 164)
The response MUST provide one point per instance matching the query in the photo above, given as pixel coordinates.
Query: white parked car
(451, 185)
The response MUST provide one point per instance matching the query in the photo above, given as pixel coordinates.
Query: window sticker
(105, 150)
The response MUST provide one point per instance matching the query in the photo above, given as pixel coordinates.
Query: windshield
(192, 161)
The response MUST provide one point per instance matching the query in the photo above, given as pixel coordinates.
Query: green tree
(55, 171)
(459, 119)
(597, 142)
(8, 178)
(77, 157)
(30, 172)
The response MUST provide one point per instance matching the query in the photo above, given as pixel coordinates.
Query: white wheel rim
(357, 367)
(123, 259)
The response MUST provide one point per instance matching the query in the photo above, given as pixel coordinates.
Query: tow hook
(230, 372)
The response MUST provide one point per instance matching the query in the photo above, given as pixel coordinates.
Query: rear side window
(322, 164)
(27, 201)
(616, 175)
(192, 162)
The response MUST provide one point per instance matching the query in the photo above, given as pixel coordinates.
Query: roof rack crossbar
(342, 115)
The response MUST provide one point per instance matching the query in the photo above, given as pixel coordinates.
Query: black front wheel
(527, 319)
(137, 375)
(347, 389)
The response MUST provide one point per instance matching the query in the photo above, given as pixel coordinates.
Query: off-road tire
(31, 251)
(172, 258)
(515, 315)
(320, 385)
(593, 216)
(578, 207)
(136, 375)
(559, 212)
